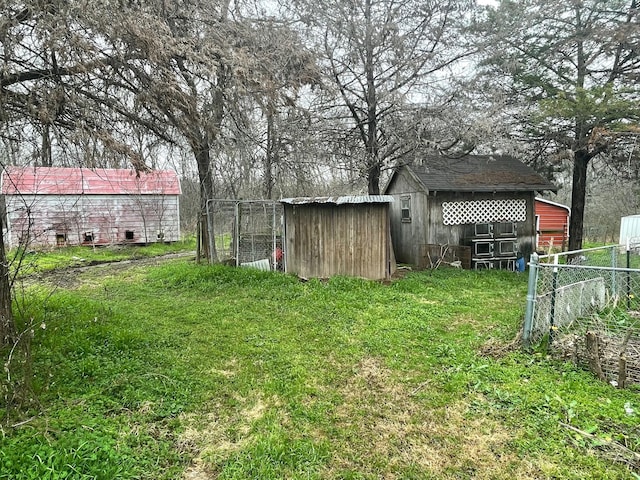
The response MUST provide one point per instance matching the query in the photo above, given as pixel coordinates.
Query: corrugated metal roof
(95, 181)
(478, 173)
(555, 204)
(341, 200)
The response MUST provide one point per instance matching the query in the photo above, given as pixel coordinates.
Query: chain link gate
(246, 233)
(586, 304)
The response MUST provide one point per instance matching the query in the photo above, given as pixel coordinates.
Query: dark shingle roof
(479, 173)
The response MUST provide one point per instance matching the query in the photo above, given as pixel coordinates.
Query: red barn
(552, 224)
(80, 206)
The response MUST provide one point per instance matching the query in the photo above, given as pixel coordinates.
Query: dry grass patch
(213, 437)
(390, 432)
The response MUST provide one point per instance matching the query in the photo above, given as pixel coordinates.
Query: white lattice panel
(484, 211)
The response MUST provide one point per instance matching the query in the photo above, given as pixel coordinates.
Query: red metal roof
(94, 181)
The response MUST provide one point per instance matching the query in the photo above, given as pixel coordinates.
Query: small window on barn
(405, 208)
(61, 239)
(128, 235)
(88, 237)
(160, 235)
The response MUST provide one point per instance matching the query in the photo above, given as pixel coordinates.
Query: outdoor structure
(552, 225)
(630, 229)
(79, 206)
(481, 204)
(327, 236)
(246, 233)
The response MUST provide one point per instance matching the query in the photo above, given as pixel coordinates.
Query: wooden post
(593, 354)
(622, 371)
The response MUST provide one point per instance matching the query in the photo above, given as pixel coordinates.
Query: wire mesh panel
(221, 223)
(259, 233)
(246, 232)
(587, 304)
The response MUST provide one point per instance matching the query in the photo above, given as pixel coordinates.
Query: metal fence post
(212, 250)
(531, 300)
(236, 237)
(628, 274)
(614, 277)
(554, 292)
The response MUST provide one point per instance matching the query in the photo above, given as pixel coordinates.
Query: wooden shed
(348, 235)
(78, 206)
(552, 224)
(481, 203)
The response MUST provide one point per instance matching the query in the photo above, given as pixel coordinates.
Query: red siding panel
(553, 229)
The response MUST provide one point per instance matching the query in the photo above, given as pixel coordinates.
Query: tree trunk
(373, 178)
(578, 197)
(269, 154)
(373, 149)
(46, 146)
(203, 160)
(7, 326)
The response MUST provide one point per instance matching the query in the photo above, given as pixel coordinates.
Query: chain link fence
(246, 233)
(586, 305)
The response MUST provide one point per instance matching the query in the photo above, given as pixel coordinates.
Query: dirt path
(74, 276)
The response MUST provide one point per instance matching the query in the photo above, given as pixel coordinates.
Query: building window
(61, 239)
(88, 237)
(405, 208)
(128, 235)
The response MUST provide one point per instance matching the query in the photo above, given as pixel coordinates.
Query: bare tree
(386, 57)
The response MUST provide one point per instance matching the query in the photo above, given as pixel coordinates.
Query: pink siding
(72, 206)
(554, 224)
(78, 181)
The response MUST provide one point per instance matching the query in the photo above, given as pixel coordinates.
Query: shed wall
(629, 228)
(460, 234)
(323, 240)
(407, 236)
(51, 220)
(427, 225)
(553, 225)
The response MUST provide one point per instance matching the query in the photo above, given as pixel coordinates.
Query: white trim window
(405, 208)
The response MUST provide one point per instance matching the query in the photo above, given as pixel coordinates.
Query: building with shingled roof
(477, 209)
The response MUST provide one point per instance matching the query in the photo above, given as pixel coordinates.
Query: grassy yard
(34, 261)
(199, 372)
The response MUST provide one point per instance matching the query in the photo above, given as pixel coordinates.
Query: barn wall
(554, 225)
(323, 240)
(92, 219)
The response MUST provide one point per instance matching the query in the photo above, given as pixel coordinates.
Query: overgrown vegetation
(190, 371)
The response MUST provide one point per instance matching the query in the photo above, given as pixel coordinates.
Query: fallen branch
(625, 454)
(419, 387)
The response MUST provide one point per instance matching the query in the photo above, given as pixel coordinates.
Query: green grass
(65, 257)
(233, 374)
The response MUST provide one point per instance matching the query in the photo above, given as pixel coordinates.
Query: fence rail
(586, 304)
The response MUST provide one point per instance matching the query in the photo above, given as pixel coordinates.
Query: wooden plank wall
(107, 217)
(408, 235)
(323, 240)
